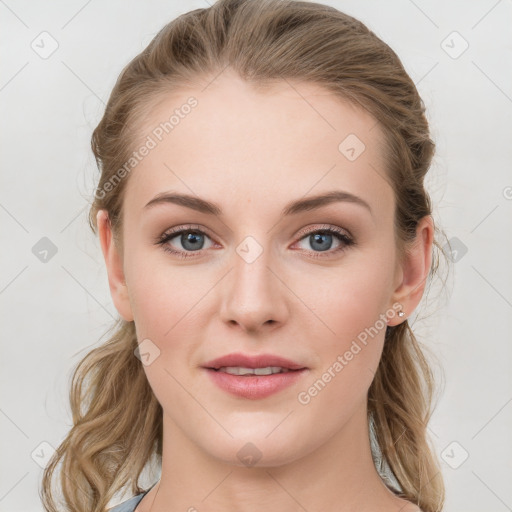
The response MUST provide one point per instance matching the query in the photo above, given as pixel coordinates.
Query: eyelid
(302, 233)
(325, 227)
(178, 229)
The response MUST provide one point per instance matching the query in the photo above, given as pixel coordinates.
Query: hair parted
(117, 420)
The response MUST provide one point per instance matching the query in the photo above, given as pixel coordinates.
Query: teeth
(239, 370)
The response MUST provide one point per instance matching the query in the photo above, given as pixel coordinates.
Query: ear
(114, 264)
(414, 271)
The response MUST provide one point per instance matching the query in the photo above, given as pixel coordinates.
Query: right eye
(191, 240)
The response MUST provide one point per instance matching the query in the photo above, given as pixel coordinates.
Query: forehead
(281, 139)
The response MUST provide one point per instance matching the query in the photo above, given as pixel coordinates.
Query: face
(257, 276)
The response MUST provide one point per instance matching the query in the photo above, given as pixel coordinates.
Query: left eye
(319, 241)
(322, 240)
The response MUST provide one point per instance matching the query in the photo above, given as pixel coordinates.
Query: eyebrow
(301, 205)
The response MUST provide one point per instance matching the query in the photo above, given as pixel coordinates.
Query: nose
(254, 296)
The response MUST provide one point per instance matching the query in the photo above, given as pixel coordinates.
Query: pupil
(193, 239)
(317, 237)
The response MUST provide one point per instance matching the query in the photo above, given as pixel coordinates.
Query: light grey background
(53, 312)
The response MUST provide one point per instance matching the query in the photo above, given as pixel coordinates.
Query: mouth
(247, 372)
(254, 377)
(259, 364)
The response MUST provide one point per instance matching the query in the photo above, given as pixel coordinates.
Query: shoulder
(128, 505)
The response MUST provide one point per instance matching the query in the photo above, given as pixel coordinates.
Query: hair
(117, 420)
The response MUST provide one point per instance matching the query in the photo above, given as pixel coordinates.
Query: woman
(266, 233)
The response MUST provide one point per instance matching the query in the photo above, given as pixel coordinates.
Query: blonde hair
(117, 421)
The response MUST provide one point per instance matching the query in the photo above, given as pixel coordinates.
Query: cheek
(168, 311)
(348, 338)
(347, 324)
(345, 301)
(162, 295)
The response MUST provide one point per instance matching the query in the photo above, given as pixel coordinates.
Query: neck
(337, 476)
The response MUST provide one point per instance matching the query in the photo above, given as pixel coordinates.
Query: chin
(252, 451)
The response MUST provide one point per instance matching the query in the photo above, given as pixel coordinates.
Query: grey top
(129, 505)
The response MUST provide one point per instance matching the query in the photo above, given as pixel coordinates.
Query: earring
(401, 313)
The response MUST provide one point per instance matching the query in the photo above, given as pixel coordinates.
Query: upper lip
(257, 361)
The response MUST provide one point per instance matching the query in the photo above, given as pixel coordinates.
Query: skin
(252, 152)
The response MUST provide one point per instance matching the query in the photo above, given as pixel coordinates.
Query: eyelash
(346, 240)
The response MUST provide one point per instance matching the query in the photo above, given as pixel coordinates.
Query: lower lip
(255, 387)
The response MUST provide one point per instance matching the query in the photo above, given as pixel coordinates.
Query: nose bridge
(254, 295)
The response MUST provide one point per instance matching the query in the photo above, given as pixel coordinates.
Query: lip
(254, 387)
(256, 361)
